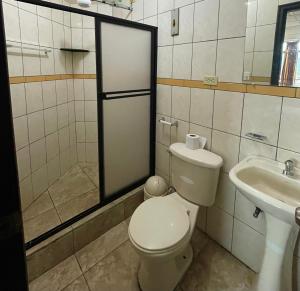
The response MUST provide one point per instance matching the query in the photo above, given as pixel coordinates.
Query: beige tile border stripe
(234, 87)
(30, 79)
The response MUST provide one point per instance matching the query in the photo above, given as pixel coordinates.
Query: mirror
(272, 43)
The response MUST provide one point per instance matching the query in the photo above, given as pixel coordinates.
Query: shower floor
(70, 195)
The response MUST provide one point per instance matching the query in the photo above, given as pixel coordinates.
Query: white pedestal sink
(261, 181)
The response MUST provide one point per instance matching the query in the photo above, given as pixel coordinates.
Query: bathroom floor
(73, 193)
(110, 264)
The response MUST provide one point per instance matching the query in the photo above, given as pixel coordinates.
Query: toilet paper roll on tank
(195, 141)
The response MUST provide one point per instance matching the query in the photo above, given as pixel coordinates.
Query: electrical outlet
(210, 80)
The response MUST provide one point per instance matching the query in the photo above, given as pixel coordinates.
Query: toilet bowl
(161, 228)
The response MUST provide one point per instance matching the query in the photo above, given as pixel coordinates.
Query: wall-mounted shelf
(72, 50)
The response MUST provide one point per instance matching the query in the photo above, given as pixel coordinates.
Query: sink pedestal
(276, 270)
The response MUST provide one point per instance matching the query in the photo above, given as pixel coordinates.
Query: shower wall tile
(52, 146)
(23, 159)
(11, 16)
(17, 93)
(38, 154)
(39, 181)
(34, 97)
(21, 131)
(26, 192)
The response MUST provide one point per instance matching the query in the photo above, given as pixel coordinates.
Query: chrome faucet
(289, 168)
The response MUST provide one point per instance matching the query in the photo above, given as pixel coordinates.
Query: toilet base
(164, 274)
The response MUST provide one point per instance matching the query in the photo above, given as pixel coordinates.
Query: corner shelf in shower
(72, 50)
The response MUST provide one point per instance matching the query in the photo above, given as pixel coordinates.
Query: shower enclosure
(83, 94)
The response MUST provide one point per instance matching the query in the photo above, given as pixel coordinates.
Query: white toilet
(161, 228)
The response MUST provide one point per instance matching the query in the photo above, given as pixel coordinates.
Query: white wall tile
(264, 38)
(91, 132)
(89, 63)
(79, 110)
(49, 94)
(53, 170)
(151, 20)
(47, 64)
(228, 107)
(204, 59)
(138, 10)
(266, 12)
(61, 91)
(206, 20)
(182, 61)
(81, 152)
(15, 61)
(64, 139)
(164, 31)
(225, 197)
(52, 146)
(227, 146)
(92, 152)
(90, 111)
(35, 126)
(23, 159)
(248, 245)
(250, 147)
(12, 24)
(150, 8)
(262, 115)
(88, 41)
(45, 32)
(181, 101)
(17, 93)
(186, 23)
(262, 64)
(289, 136)
(34, 96)
(230, 59)
(65, 162)
(202, 101)
(21, 131)
(164, 5)
(78, 89)
(38, 154)
(164, 62)
(29, 27)
(62, 115)
(219, 226)
(162, 159)
(26, 192)
(31, 61)
(232, 18)
(80, 131)
(39, 181)
(164, 99)
(181, 3)
(50, 116)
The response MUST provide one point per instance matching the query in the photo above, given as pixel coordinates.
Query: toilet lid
(159, 223)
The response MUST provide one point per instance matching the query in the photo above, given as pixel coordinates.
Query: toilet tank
(195, 173)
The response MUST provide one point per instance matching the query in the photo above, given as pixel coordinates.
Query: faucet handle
(289, 168)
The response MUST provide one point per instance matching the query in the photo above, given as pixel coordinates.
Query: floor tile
(92, 171)
(39, 206)
(40, 224)
(71, 185)
(78, 285)
(58, 277)
(115, 272)
(77, 205)
(99, 248)
(215, 269)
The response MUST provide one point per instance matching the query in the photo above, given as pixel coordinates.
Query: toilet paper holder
(163, 121)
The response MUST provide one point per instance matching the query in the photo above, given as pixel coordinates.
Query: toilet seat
(159, 225)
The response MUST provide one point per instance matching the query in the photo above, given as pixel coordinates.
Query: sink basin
(261, 181)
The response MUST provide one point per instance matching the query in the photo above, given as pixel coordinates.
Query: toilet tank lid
(199, 157)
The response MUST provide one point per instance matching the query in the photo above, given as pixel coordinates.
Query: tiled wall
(44, 114)
(55, 121)
(211, 42)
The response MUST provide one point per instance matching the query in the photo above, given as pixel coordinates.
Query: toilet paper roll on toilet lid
(195, 141)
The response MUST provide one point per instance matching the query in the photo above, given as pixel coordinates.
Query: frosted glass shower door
(127, 111)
